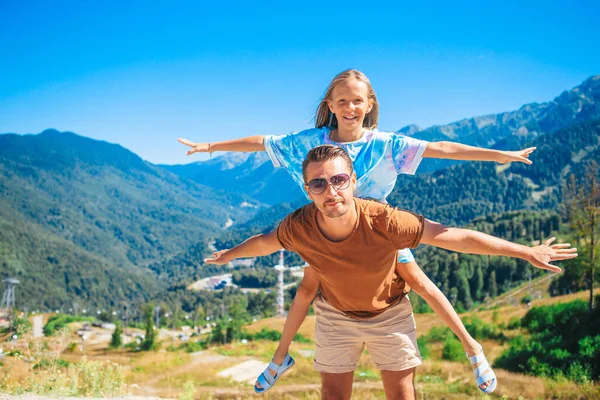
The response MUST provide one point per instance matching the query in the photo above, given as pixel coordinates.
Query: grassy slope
(173, 374)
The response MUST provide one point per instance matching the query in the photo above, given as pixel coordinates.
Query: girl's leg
(424, 287)
(304, 296)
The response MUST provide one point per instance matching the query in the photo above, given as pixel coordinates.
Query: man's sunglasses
(319, 185)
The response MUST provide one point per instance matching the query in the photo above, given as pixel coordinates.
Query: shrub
(514, 323)
(438, 334)
(59, 321)
(48, 364)
(116, 341)
(71, 347)
(564, 343)
(423, 348)
(273, 335)
(482, 330)
(453, 350)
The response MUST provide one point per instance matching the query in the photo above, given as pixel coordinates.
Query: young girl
(347, 117)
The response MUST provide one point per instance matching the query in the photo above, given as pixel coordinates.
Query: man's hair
(324, 153)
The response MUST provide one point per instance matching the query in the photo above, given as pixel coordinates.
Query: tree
(219, 333)
(464, 291)
(148, 343)
(477, 291)
(115, 341)
(492, 286)
(582, 206)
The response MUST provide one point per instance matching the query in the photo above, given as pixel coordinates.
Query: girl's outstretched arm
(250, 143)
(457, 151)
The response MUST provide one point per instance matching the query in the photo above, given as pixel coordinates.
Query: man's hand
(520, 155)
(219, 257)
(542, 255)
(196, 147)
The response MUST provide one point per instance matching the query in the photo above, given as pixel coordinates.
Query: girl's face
(350, 103)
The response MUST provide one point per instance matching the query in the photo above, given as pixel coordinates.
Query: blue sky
(143, 73)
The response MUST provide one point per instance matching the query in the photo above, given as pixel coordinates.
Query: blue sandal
(266, 380)
(480, 376)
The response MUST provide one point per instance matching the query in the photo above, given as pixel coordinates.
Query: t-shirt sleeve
(407, 153)
(405, 228)
(285, 233)
(277, 147)
(289, 150)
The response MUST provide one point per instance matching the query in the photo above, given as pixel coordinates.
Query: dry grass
(194, 376)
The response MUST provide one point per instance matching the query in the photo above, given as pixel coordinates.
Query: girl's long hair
(324, 117)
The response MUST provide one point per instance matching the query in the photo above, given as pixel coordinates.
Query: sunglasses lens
(317, 186)
(339, 180)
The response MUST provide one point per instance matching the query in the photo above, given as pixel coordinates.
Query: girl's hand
(196, 147)
(520, 155)
(219, 258)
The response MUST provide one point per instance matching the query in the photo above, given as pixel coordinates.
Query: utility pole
(8, 298)
(157, 316)
(279, 304)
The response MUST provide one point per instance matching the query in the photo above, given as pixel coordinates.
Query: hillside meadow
(61, 366)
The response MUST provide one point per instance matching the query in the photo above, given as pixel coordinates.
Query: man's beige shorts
(390, 337)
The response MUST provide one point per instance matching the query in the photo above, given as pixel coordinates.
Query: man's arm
(472, 242)
(256, 246)
(458, 151)
(250, 143)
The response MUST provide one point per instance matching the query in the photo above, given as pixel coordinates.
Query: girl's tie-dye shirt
(378, 158)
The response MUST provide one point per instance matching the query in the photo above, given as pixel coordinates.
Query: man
(351, 245)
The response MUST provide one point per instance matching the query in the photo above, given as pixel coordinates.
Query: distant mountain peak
(409, 130)
(50, 132)
(67, 149)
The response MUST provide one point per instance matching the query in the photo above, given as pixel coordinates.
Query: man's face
(334, 201)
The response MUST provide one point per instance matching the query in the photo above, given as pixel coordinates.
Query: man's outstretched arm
(256, 246)
(472, 242)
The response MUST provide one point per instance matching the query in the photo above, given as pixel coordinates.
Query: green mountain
(461, 193)
(249, 173)
(55, 273)
(511, 130)
(101, 204)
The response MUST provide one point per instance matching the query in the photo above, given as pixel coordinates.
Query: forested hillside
(461, 193)
(74, 207)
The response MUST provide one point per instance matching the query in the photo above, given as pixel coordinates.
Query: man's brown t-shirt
(357, 275)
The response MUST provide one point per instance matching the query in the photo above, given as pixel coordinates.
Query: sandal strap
(477, 358)
(270, 378)
(287, 361)
(481, 369)
(277, 367)
(488, 376)
(264, 383)
(492, 386)
(274, 366)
